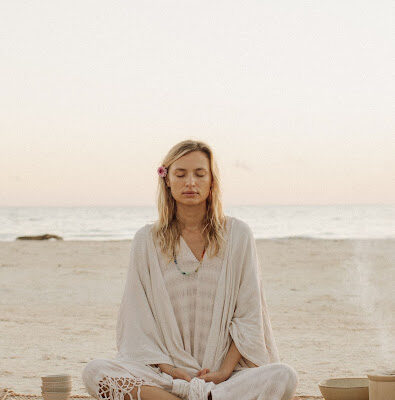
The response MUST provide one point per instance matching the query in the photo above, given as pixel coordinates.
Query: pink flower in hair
(162, 171)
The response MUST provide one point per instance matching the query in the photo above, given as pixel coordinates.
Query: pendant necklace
(188, 273)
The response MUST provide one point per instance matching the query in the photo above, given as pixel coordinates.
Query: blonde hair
(167, 229)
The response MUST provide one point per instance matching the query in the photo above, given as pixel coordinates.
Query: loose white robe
(192, 296)
(147, 330)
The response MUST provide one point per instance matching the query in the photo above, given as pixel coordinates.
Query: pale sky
(295, 97)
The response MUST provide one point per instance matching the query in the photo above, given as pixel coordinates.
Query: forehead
(194, 161)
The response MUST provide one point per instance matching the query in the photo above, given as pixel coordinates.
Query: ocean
(270, 221)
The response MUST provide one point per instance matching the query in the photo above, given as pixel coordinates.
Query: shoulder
(242, 227)
(142, 232)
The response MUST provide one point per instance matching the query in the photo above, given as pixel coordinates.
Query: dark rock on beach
(40, 237)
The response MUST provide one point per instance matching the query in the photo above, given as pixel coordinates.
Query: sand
(330, 303)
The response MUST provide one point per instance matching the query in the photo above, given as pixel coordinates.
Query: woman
(193, 324)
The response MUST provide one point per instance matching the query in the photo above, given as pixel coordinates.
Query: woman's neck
(191, 218)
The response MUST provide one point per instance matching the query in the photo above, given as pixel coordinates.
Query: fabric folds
(250, 326)
(147, 330)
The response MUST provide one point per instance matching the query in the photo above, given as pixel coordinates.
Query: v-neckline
(190, 251)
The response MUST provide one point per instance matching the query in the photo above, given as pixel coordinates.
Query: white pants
(112, 379)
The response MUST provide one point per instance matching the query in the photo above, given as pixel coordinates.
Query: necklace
(188, 273)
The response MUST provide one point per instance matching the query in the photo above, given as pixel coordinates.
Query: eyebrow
(183, 169)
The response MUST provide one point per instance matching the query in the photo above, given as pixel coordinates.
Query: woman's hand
(203, 371)
(216, 376)
(180, 373)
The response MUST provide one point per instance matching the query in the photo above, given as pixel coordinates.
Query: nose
(190, 180)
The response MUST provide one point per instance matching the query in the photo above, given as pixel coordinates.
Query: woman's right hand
(180, 373)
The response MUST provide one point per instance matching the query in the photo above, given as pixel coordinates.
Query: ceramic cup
(382, 385)
(56, 387)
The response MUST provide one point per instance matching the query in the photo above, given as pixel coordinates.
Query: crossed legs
(108, 380)
(275, 381)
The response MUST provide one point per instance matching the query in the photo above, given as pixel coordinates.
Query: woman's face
(190, 173)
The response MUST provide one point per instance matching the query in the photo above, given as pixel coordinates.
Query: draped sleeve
(138, 336)
(250, 326)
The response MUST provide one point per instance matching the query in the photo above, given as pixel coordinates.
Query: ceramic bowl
(345, 388)
(56, 378)
(57, 383)
(56, 395)
(52, 388)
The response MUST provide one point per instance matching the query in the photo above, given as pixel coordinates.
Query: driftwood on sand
(40, 237)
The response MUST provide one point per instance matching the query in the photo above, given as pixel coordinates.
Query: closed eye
(181, 176)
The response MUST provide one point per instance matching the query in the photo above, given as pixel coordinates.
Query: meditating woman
(193, 322)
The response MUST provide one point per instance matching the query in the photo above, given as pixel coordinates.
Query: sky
(296, 98)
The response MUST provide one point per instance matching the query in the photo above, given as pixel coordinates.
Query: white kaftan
(192, 298)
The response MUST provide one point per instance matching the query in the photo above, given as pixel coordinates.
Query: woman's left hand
(216, 376)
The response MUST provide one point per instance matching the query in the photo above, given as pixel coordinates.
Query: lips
(189, 192)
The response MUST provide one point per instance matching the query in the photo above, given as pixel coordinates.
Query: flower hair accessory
(162, 171)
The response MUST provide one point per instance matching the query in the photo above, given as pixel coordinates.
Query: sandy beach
(330, 303)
